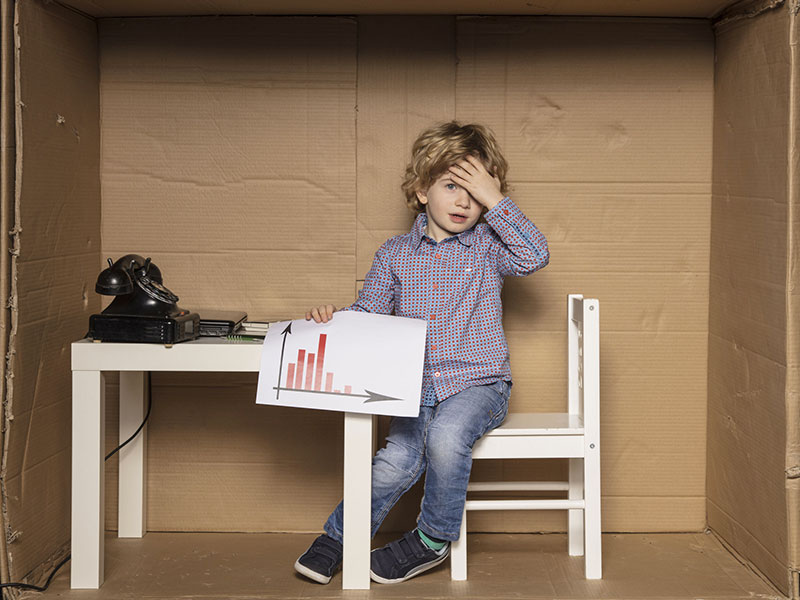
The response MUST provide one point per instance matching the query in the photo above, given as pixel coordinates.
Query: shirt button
(435, 286)
(438, 256)
(505, 211)
(433, 347)
(433, 317)
(437, 374)
(469, 269)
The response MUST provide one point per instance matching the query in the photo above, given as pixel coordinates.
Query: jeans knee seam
(412, 477)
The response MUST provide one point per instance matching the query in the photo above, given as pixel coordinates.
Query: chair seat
(534, 435)
(540, 424)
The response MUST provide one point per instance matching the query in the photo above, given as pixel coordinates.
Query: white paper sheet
(356, 362)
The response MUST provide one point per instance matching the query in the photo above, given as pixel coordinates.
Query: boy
(449, 271)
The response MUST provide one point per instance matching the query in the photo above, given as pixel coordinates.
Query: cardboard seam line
(747, 9)
(741, 559)
(9, 334)
(792, 383)
(7, 179)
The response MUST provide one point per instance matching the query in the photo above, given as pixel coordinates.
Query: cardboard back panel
(747, 418)
(235, 169)
(58, 224)
(229, 156)
(607, 129)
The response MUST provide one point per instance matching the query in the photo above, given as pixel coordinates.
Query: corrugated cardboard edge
(793, 313)
(745, 9)
(7, 179)
(41, 566)
(12, 317)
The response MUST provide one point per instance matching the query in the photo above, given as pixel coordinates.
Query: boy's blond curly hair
(441, 146)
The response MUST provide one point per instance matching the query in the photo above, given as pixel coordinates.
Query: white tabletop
(202, 354)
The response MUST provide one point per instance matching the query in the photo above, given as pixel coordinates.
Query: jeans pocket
(499, 410)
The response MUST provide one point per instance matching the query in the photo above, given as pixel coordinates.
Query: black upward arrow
(284, 333)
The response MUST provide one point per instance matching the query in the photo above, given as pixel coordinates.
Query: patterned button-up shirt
(455, 286)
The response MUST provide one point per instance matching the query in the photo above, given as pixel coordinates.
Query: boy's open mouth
(456, 218)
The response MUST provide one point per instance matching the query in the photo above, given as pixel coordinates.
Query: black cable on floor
(29, 586)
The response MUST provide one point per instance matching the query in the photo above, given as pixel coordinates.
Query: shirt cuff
(504, 209)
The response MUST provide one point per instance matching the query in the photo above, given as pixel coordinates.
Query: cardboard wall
(57, 221)
(228, 156)
(793, 322)
(749, 425)
(7, 195)
(262, 157)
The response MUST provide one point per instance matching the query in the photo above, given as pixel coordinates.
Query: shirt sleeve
(522, 248)
(377, 293)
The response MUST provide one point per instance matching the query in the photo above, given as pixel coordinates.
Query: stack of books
(253, 328)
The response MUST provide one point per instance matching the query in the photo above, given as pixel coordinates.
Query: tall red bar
(309, 372)
(298, 379)
(320, 359)
(290, 376)
(328, 382)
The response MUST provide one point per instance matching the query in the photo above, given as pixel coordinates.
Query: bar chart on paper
(357, 362)
(312, 379)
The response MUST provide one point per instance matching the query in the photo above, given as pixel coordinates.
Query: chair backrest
(583, 362)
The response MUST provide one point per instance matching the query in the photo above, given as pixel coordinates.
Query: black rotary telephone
(143, 309)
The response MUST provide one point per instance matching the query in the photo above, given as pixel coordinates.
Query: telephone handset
(143, 309)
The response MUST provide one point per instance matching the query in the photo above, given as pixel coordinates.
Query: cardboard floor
(224, 565)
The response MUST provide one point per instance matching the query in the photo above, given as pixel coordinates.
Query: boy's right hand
(321, 314)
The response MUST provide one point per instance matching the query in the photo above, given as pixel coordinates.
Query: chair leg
(575, 516)
(458, 553)
(594, 567)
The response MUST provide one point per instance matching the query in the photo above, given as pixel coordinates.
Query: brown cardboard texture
(257, 159)
(58, 206)
(503, 566)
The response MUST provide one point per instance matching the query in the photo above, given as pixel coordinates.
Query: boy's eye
(450, 186)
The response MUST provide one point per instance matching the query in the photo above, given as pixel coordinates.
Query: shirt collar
(418, 232)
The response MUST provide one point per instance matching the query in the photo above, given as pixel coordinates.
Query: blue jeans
(438, 443)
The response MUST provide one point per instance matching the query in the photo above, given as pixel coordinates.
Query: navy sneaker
(321, 560)
(405, 558)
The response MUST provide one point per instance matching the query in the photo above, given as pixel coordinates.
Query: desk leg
(133, 457)
(88, 501)
(357, 500)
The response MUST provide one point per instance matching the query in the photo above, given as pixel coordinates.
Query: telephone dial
(143, 309)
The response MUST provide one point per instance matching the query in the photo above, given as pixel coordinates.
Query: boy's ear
(422, 196)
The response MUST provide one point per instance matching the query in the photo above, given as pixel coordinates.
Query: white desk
(134, 363)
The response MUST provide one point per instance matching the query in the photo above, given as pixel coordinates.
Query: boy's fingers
(466, 166)
(458, 179)
(476, 162)
(458, 172)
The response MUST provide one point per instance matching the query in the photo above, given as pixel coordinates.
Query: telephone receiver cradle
(143, 310)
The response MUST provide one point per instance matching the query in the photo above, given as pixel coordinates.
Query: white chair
(574, 435)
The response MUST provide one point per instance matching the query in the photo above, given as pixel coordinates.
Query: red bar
(320, 360)
(328, 382)
(309, 372)
(298, 379)
(347, 389)
(290, 376)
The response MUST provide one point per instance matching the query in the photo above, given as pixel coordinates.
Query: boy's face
(451, 210)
